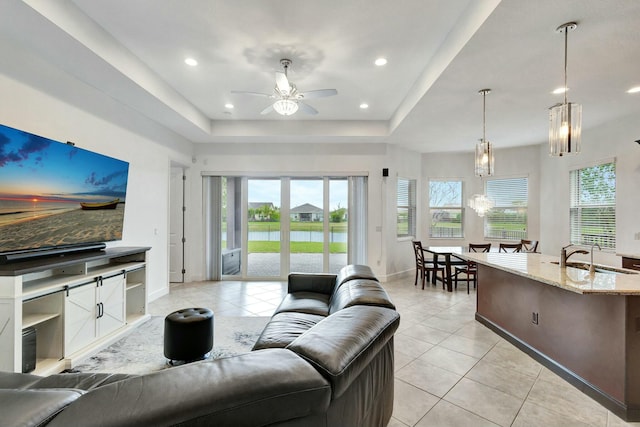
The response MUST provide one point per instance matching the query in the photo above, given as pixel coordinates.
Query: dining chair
(470, 268)
(510, 247)
(424, 267)
(529, 245)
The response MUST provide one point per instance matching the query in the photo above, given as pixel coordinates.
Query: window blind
(593, 206)
(406, 207)
(445, 209)
(508, 219)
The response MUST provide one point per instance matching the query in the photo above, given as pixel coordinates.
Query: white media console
(78, 303)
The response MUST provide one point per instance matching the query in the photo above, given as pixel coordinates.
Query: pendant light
(483, 162)
(481, 204)
(565, 120)
(484, 149)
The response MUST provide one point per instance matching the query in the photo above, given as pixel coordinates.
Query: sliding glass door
(263, 227)
(267, 227)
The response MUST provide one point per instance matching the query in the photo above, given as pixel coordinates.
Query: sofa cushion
(260, 388)
(354, 271)
(359, 292)
(305, 302)
(284, 328)
(26, 408)
(311, 282)
(343, 344)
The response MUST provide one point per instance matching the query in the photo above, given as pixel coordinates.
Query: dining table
(446, 252)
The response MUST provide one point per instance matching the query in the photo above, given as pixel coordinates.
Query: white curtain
(212, 198)
(358, 202)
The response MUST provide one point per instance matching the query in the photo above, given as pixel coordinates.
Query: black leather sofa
(324, 359)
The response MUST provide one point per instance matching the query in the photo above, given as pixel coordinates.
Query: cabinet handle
(100, 310)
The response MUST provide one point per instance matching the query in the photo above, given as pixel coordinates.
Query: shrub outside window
(593, 206)
(507, 220)
(445, 209)
(406, 208)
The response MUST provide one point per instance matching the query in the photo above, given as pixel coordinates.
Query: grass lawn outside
(296, 247)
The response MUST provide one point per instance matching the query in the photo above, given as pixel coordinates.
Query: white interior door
(176, 226)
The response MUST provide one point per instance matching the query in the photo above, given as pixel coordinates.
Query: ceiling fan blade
(306, 108)
(267, 110)
(282, 82)
(243, 92)
(318, 93)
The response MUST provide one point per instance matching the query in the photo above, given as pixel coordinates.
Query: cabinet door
(80, 311)
(111, 296)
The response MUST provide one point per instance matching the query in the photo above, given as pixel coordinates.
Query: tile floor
(450, 370)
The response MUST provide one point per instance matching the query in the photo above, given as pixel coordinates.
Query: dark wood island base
(590, 340)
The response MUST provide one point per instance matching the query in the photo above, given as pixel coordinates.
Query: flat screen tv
(55, 196)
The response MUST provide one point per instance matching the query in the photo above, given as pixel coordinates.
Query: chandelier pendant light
(565, 120)
(481, 204)
(484, 150)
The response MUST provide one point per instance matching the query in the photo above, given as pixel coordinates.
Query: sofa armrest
(311, 282)
(343, 344)
(255, 389)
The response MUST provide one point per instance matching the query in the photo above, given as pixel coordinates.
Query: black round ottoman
(188, 334)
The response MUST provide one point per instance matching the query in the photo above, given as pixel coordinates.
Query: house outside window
(592, 210)
(406, 208)
(507, 220)
(445, 209)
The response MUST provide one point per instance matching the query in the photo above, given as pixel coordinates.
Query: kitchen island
(585, 327)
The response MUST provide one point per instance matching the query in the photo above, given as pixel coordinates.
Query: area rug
(142, 350)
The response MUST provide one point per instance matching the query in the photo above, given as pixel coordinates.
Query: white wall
(605, 141)
(24, 107)
(509, 163)
(398, 252)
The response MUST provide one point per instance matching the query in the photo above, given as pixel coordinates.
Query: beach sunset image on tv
(54, 194)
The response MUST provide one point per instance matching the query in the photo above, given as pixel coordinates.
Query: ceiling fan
(288, 98)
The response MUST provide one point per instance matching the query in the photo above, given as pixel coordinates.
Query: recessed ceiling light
(364, 106)
(380, 62)
(560, 90)
(229, 106)
(190, 61)
(634, 89)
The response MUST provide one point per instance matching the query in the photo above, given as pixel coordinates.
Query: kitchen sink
(598, 268)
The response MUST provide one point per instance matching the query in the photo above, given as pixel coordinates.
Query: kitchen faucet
(592, 269)
(564, 256)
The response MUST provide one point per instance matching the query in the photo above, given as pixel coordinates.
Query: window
(406, 204)
(445, 209)
(593, 206)
(508, 218)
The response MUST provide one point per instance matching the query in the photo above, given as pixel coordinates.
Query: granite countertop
(542, 268)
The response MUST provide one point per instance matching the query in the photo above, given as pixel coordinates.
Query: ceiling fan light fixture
(565, 120)
(285, 107)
